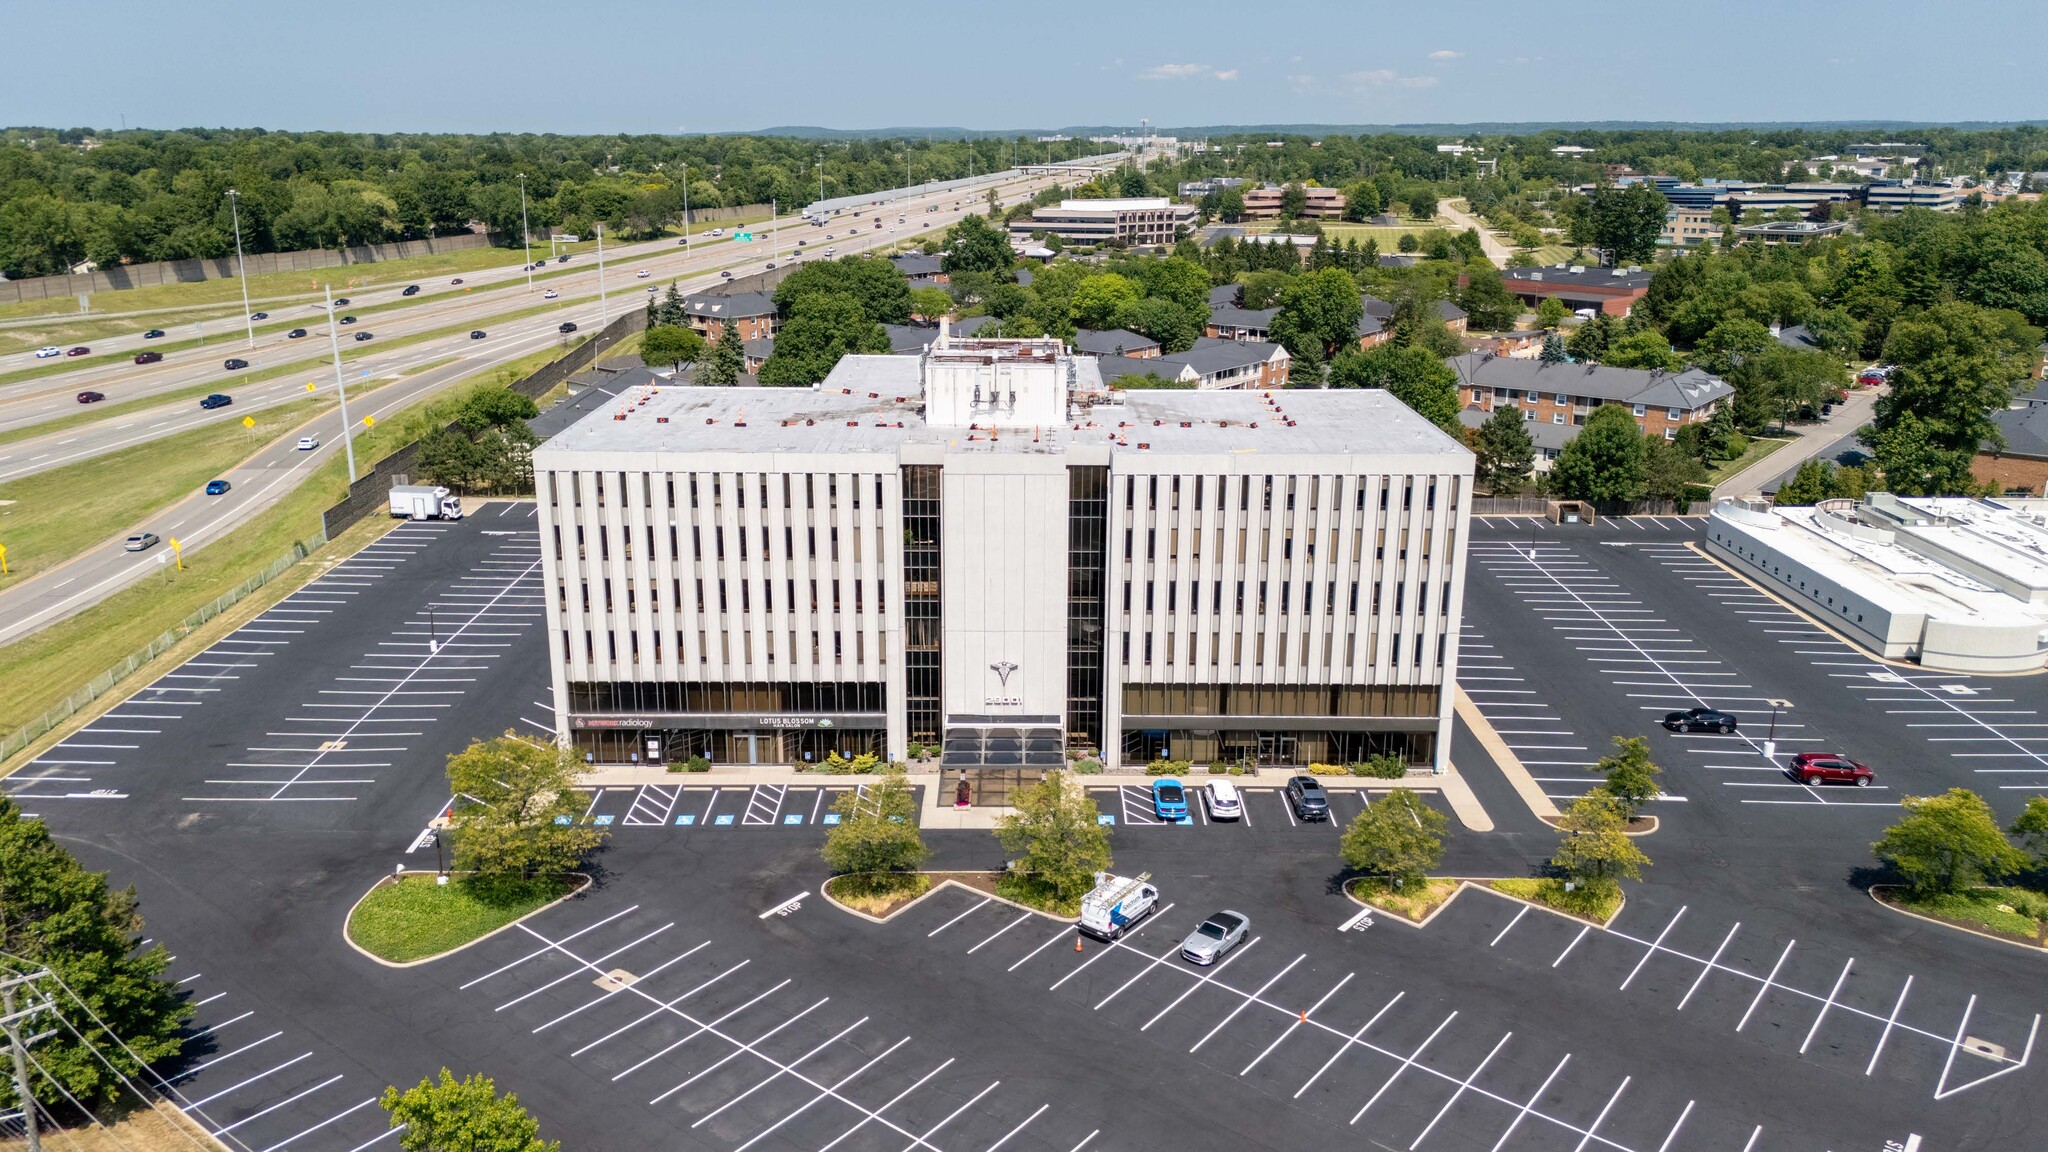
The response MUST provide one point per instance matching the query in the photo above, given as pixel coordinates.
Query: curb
(1880, 901)
(825, 891)
(579, 890)
(1655, 824)
(1390, 914)
(1503, 757)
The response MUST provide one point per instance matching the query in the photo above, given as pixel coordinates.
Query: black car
(295, 333)
(362, 336)
(561, 259)
(1700, 720)
(348, 320)
(148, 357)
(234, 365)
(217, 400)
(341, 303)
(260, 316)
(153, 334)
(476, 334)
(91, 397)
(1306, 796)
(411, 290)
(567, 326)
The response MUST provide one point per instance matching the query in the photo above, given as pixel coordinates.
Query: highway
(378, 385)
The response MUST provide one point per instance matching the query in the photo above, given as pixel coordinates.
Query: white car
(831, 251)
(1223, 800)
(46, 352)
(643, 274)
(308, 443)
(551, 294)
(715, 232)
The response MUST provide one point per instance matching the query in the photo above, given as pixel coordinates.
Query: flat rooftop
(877, 408)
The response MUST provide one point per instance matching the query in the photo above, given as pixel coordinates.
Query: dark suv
(217, 400)
(1306, 796)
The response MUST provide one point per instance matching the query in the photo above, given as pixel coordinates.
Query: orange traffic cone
(1077, 943)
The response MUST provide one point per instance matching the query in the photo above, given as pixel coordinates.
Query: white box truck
(422, 502)
(1116, 904)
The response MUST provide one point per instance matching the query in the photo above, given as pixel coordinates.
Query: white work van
(1116, 904)
(422, 502)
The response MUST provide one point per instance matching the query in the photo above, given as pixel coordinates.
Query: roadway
(380, 385)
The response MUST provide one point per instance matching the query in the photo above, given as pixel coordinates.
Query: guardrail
(101, 684)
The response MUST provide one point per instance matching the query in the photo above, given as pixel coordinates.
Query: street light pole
(686, 212)
(525, 234)
(604, 315)
(348, 444)
(241, 271)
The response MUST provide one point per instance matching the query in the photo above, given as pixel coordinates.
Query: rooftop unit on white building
(981, 547)
(1959, 585)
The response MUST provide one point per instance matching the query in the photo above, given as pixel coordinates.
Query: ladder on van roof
(1117, 896)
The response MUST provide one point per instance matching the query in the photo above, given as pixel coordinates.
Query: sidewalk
(1494, 249)
(1808, 441)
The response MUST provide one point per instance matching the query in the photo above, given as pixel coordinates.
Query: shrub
(1384, 766)
(1088, 766)
(693, 764)
(1165, 767)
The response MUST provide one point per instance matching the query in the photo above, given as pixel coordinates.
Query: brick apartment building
(1565, 395)
(753, 313)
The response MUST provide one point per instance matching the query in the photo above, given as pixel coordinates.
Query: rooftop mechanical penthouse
(982, 547)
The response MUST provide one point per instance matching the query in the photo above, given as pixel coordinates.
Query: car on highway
(1169, 799)
(411, 290)
(1213, 937)
(1223, 800)
(715, 232)
(148, 357)
(831, 251)
(217, 400)
(457, 280)
(642, 274)
(551, 294)
(476, 334)
(234, 365)
(727, 274)
(799, 241)
(1699, 720)
(1814, 769)
(831, 236)
(295, 333)
(217, 487)
(308, 443)
(341, 303)
(260, 316)
(153, 334)
(346, 320)
(771, 265)
(141, 541)
(80, 350)
(47, 351)
(561, 259)
(91, 397)
(362, 336)
(567, 327)
(1306, 796)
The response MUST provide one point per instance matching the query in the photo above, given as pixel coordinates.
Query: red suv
(1816, 768)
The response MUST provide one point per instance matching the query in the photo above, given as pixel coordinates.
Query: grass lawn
(413, 918)
(1412, 904)
(73, 327)
(2014, 913)
(1759, 447)
(1595, 905)
(1553, 254)
(878, 893)
(125, 1127)
(49, 517)
(1389, 238)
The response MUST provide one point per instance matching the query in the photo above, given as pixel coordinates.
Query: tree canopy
(1604, 462)
(1396, 837)
(464, 1115)
(1948, 842)
(1416, 377)
(517, 813)
(1052, 827)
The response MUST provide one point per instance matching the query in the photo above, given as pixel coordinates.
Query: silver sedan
(1215, 936)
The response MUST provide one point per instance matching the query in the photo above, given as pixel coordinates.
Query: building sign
(1002, 701)
(734, 721)
(793, 722)
(612, 722)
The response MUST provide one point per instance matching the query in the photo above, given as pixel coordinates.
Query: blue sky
(643, 66)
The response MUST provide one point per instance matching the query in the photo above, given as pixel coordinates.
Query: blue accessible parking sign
(722, 819)
(1105, 818)
(686, 819)
(831, 817)
(793, 818)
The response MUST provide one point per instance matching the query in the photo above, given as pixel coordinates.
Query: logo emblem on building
(1002, 669)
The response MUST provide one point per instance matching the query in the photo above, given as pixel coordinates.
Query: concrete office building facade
(983, 547)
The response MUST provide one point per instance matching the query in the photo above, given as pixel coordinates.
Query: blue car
(1169, 800)
(216, 487)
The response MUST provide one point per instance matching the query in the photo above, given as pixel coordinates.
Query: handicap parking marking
(686, 820)
(722, 819)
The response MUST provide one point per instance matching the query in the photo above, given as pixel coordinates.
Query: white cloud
(1415, 82)
(1173, 71)
(1373, 78)
(1386, 77)
(1445, 54)
(1226, 74)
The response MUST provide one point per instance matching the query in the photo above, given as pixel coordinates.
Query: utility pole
(604, 314)
(241, 272)
(686, 212)
(821, 177)
(348, 444)
(525, 237)
(10, 1022)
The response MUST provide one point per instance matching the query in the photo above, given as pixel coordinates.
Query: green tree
(1415, 376)
(1551, 312)
(1052, 828)
(1397, 838)
(510, 795)
(1407, 242)
(1361, 201)
(930, 303)
(1163, 320)
(1230, 205)
(869, 281)
(975, 245)
(877, 829)
(1813, 483)
(1505, 451)
(1101, 300)
(1669, 472)
(2031, 826)
(725, 360)
(1319, 310)
(1149, 380)
(1589, 341)
(1261, 289)
(671, 344)
(1631, 776)
(462, 1116)
(1488, 305)
(1954, 365)
(1947, 843)
(1628, 221)
(1645, 349)
(1604, 462)
(1293, 201)
(1554, 350)
(822, 328)
(1421, 201)
(1178, 279)
(1595, 852)
(1730, 344)
(55, 914)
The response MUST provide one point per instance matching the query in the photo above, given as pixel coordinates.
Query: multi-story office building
(983, 546)
(1149, 220)
(1263, 202)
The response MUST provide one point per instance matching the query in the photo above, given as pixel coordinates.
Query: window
(1671, 433)
(1528, 416)
(1673, 414)
(1637, 409)
(1557, 417)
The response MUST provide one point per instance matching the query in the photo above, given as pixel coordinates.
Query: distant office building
(1688, 227)
(1263, 202)
(1196, 189)
(1610, 290)
(1789, 231)
(1136, 221)
(1895, 197)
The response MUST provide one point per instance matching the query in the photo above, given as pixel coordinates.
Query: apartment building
(984, 547)
(753, 313)
(1565, 395)
(1135, 221)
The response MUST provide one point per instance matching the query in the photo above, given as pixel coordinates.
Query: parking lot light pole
(348, 443)
(1771, 739)
(241, 271)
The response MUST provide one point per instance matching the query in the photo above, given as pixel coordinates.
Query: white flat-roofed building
(982, 546)
(1959, 585)
(1142, 220)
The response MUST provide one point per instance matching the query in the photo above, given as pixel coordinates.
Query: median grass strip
(1411, 903)
(412, 918)
(877, 893)
(2019, 914)
(1600, 905)
(1759, 447)
(49, 517)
